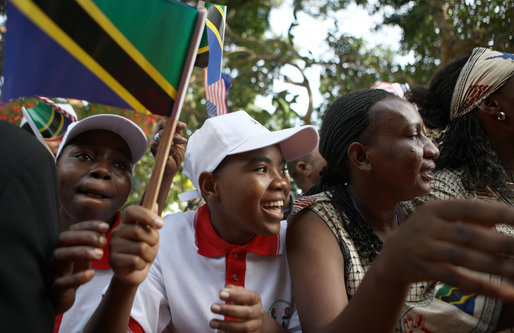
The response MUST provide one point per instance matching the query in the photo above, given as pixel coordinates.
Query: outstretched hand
(450, 241)
(134, 245)
(178, 148)
(76, 248)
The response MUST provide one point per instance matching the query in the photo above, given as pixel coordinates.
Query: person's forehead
(392, 108)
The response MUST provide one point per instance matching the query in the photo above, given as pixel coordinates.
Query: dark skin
(500, 133)
(94, 173)
(98, 162)
(308, 169)
(452, 233)
(134, 245)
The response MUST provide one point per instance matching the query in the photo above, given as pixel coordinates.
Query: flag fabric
(399, 89)
(215, 31)
(128, 54)
(48, 119)
(216, 95)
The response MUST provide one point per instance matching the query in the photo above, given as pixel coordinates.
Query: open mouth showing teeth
(274, 206)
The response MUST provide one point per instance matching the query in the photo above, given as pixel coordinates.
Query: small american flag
(216, 95)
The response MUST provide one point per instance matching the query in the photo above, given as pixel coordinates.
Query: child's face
(251, 189)
(94, 174)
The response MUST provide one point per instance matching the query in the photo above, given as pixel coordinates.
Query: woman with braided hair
(357, 263)
(471, 101)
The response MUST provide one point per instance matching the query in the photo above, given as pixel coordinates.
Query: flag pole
(165, 142)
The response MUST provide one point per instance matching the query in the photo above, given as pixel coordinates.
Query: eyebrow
(95, 145)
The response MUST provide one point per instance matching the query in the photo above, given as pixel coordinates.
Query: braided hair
(345, 123)
(465, 144)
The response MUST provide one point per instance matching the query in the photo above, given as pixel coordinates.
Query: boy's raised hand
(134, 245)
(442, 237)
(247, 310)
(76, 248)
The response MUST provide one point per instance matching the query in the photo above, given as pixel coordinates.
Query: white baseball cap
(235, 133)
(129, 131)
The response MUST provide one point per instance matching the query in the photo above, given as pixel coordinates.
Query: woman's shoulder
(317, 202)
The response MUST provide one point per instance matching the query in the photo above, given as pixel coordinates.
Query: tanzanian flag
(210, 53)
(128, 54)
(47, 119)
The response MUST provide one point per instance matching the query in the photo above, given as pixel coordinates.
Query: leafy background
(434, 31)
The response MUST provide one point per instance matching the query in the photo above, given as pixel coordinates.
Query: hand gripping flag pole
(171, 124)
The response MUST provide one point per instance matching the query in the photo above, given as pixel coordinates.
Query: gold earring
(501, 116)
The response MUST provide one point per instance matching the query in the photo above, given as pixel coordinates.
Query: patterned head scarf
(483, 74)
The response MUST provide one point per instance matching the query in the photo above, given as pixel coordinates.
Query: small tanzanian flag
(210, 53)
(128, 54)
(47, 119)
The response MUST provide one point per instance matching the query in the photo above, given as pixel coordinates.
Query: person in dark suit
(29, 226)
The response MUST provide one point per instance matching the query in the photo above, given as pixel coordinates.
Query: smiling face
(401, 155)
(250, 191)
(94, 173)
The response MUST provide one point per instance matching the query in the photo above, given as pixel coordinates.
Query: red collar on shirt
(211, 245)
(104, 262)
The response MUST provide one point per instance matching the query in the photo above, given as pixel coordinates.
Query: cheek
(411, 160)
(124, 184)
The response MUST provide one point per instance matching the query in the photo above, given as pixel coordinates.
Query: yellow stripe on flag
(61, 124)
(106, 24)
(215, 30)
(36, 15)
(203, 49)
(52, 116)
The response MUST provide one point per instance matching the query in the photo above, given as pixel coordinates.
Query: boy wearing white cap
(94, 171)
(232, 248)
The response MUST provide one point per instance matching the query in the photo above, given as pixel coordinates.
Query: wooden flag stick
(166, 140)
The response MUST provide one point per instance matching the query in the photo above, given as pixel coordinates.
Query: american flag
(216, 95)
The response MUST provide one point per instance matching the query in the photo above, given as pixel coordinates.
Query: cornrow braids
(465, 144)
(343, 124)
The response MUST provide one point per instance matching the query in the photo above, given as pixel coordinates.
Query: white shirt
(182, 284)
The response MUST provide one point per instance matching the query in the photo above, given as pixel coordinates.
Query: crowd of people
(393, 230)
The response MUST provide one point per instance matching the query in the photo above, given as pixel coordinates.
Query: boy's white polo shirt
(192, 266)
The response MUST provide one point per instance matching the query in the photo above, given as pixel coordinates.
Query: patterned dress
(429, 306)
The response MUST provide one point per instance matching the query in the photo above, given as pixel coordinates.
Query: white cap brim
(129, 131)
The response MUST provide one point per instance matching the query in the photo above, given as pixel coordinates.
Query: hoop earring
(501, 116)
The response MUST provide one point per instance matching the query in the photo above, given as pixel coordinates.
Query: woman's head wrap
(483, 74)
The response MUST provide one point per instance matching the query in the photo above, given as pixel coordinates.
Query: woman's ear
(358, 157)
(207, 183)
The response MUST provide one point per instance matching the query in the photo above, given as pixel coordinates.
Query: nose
(101, 170)
(430, 151)
(280, 181)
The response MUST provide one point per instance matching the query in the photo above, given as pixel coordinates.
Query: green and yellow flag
(123, 53)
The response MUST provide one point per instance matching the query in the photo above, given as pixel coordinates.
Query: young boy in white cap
(94, 170)
(230, 249)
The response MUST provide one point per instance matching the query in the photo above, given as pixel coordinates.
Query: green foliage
(434, 31)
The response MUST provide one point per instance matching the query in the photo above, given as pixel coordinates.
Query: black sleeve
(28, 231)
